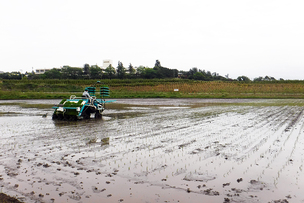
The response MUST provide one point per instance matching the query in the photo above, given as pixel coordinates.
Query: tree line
(121, 72)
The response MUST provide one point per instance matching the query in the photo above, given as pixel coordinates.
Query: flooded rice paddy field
(155, 150)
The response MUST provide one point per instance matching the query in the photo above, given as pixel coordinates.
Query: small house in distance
(41, 71)
(106, 63)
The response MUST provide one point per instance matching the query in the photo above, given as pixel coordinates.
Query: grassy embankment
(157, 88)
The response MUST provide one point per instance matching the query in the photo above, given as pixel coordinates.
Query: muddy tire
(73, 118)
(59, 117)
(54, 117)
(98, 115)
(86, 115)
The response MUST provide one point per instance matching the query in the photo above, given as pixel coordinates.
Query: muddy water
(155, 150)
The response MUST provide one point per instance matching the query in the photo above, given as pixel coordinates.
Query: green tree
(140, 71)
(157, 63)
(121, 71)
(150, 73)
(163, 72)
(243, 79)
(12, 75)
(258, 79)
(131, 70)
(71, 72)
(209, 75)
(199, 76)
(86, 69)
(191, 72)
(110, 71)
(95, 72)
(53, 74)
(266, 78)
(269, 78)
(175, 73)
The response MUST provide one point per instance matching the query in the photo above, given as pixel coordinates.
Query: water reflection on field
(155, 150)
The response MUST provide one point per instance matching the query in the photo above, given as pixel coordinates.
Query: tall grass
(40, 89)
(215, 89)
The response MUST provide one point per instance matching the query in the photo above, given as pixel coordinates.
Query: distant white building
(106, 63)
(41, 71)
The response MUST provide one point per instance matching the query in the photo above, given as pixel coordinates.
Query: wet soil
(7, 199)
(155, 150)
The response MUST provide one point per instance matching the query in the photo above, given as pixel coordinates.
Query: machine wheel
(72, 118)
(59, 116)
(54, 117)
(98, 115)
(86, 113)
(86, 116)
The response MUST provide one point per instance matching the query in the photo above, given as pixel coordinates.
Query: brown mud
(155, 150)
(7, 199)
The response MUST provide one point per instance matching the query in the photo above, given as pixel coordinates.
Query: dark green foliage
(11, 76)
(95, 72)
(53, 74)
(199, 76)
(266, 78)
(121, 71)
(157, 63)
(243, 79)
(163, 72)
(71, 72)
(132, 71)
(150, 73)
(86, 69)
(109, 72)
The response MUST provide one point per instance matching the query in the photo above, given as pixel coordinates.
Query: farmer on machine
(86, 94)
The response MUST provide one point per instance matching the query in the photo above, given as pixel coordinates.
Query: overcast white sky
(236, 37)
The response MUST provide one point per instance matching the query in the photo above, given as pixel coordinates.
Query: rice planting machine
(77, 108)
